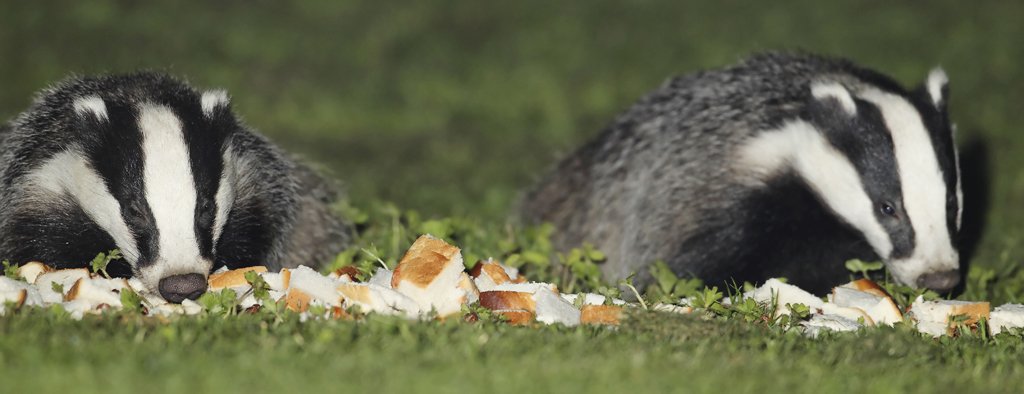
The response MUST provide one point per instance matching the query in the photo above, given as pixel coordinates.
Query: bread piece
(17, 292)
(783, 293)
(940, 311)
(546, 305)
(507, 300)
(1005, 317)
(868, 286)
(516, 317)
(669, 308)
(601, 314)
(488, 274)
(297, 300)
(469, 288)
(375, 298)
(529, 287)
(232, 278)
(881, 309)
(933, 317)
(818, 323)
(429, 273)
(347, 273)
(98, 291)
(591, 299)
(64, 278)
(310, 283)
(30, 271)
(381, 277)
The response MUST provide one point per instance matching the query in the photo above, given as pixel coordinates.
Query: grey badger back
(782, 165)
(144, 163)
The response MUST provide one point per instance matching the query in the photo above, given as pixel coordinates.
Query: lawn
(450, 108)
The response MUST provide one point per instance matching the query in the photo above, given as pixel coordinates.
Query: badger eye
(888, 209)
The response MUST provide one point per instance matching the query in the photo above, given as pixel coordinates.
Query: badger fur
(782, 165)
(168, 175)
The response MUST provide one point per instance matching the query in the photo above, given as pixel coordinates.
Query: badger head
(150, 166)
(884, 161)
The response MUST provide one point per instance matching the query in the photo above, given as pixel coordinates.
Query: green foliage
(11, 270)
(222, 303)
(100, 262)
(864, 268)
(669, 288)
(131, 302)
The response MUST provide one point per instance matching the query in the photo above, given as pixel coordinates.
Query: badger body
(782, 165)
(167, 174)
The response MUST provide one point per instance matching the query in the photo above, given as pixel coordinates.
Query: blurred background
(453, 107)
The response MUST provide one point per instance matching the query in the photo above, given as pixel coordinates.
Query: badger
(167, 174)
(783, 165)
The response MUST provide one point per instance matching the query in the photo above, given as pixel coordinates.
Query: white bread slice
(305, 281)
(868, 286)
(784, 293)
(601, 314)
(669, 308)
(65, 278)
(78, 308)
(233, 278)
(881, 309)
(429, 273)
(18, 292)
(1006, 316)
(818, 323)
(489, 274)
(933, 317)
(548, 307)
(277, 281)
(591, 299)
(375, 298)
(381, 277)
(31, 270)
(98, 291)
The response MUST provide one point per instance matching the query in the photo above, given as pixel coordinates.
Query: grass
(450, 108)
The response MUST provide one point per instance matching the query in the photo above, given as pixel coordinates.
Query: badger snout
(176, 288)
(942, 281)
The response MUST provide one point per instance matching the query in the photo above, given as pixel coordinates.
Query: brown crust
(286, 278)
(492, 269)
(517, 317)
(297, 300)
(869, 286)
(72, 293)
(507, 300)
(424, 260)
(347, 270)
(601, 314)
(43, 268)
(974, 311)
(22, 296)
(354, 292)
(232, 278)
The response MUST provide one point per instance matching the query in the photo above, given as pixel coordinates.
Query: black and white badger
(782, 165)
(168, 175)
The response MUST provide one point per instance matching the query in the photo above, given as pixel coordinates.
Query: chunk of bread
(546, 305)
(517, 317)
(818, 323)
(306, 282)
(489, 274)
(934, 317)
(297, 300)
(782, 294)
(347, 274)
(867, 286)
(468, 287)
(63, 278)
(601, 314)
(881, 309)
(1005, 317)
(31, 270)
(97, 291)
(429, 273)
(370, 297)
(17, 292)
(381, 277)
(590, 299)
(232, 278)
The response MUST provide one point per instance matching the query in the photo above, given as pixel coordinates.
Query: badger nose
(176, 288)
(942, 281)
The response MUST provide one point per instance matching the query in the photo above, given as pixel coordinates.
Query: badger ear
(93, 105)
(213, 99)
(937, 86)
(827, 91)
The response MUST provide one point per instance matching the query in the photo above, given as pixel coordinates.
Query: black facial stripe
(866, 142)
(205, 138)
(114, 149)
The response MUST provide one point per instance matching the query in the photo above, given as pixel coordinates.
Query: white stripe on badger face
(69, 172)
(171, 193)
(924, 191)
(800, 146)
(959, 188)
(91, 104)
(224, 198)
